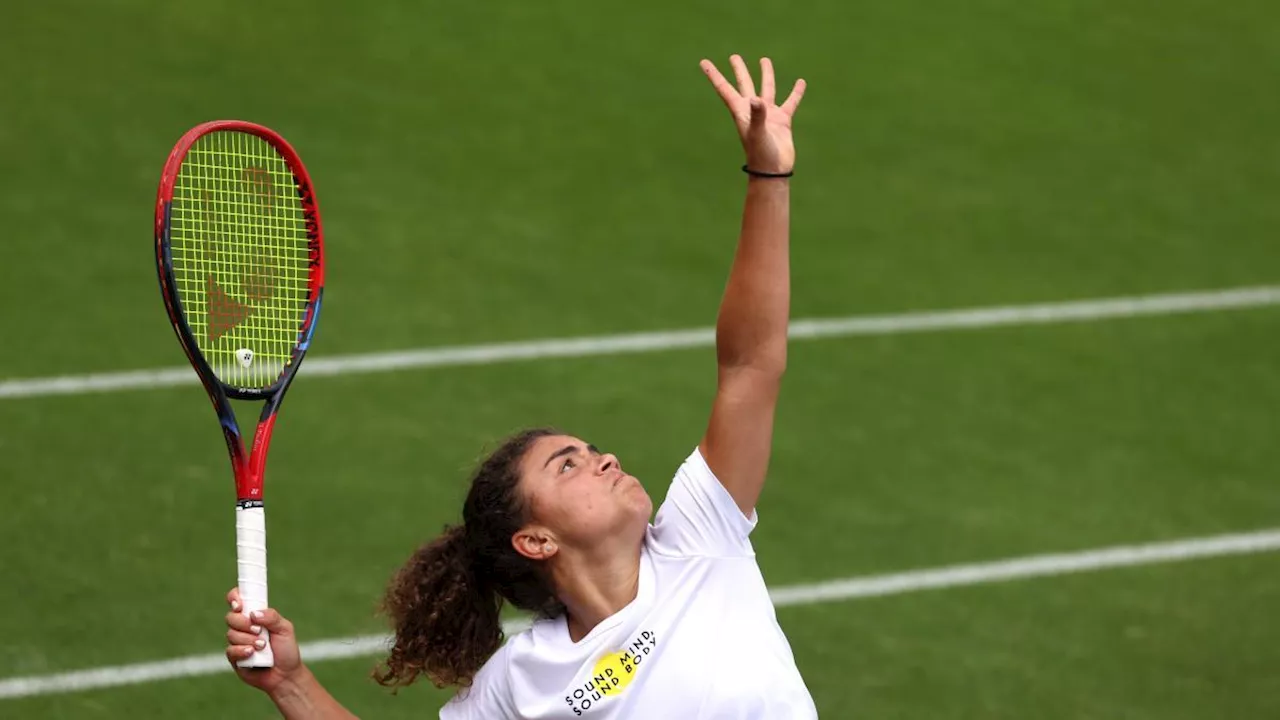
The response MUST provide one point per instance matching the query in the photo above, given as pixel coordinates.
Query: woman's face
(579, 497)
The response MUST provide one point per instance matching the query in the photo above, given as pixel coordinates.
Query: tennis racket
(239, 252)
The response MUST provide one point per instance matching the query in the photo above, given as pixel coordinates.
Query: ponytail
(445, 603)
(446, 621)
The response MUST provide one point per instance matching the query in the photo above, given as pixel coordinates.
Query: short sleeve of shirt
(488, 697)
(700, 517)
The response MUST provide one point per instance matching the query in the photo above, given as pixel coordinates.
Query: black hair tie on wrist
(757, 173)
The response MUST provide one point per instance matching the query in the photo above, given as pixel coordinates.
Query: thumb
(272, 621)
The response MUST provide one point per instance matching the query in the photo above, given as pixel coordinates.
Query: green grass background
(504, 171)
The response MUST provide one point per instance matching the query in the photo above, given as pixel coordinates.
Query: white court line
(858, 587)
(985, 317)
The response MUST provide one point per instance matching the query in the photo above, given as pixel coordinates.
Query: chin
(644, 504)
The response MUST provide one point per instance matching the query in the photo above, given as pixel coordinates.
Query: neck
(595, 585)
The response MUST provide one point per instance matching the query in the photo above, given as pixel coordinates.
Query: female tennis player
(631, 619)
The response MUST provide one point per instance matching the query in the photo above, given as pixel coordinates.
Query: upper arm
(739, 434)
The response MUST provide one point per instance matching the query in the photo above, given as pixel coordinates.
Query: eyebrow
(569, 450)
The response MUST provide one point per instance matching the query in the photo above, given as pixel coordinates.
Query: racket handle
(251, 566)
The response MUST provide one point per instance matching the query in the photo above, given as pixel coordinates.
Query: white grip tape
(251, 566)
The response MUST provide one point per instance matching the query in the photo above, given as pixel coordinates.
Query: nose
(609, 461)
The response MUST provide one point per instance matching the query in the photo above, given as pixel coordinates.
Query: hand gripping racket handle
(251, 565)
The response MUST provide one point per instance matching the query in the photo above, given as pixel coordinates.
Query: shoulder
(699, 517)
(488, 695)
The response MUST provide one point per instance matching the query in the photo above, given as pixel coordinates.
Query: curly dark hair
(445, 602)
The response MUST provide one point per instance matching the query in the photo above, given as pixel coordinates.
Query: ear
(535, 543)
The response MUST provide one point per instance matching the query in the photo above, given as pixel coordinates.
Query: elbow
(772, 365)
(763, 367)
(776, 369)
(772, 360)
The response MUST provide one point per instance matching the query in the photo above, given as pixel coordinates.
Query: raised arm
(751, 329)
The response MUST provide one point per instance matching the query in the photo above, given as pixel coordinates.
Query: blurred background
(513, 171)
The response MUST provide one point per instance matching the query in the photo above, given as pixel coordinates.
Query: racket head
(240, 257)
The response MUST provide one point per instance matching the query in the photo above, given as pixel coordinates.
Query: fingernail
(235, 606)
(256, 615)
(259, 643)
(247, 651)
(255, 629)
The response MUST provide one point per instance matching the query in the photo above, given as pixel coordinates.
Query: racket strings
(240, 259)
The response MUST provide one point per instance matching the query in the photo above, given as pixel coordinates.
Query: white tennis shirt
(700, 640)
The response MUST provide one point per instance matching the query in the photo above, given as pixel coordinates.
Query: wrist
(766, 173)
(296, 686)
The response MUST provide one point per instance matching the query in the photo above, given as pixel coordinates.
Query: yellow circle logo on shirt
(617, 670)
(612, 674)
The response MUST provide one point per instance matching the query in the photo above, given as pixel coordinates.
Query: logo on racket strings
(238, 261)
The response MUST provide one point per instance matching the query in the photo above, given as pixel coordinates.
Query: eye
(568, 464)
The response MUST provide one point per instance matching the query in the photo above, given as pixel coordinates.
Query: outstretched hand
(764, 127)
